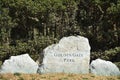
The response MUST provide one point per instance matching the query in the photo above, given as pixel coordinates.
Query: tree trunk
(35, 34)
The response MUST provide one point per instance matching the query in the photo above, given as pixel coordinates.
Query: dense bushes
(34, 48)
(111, 54)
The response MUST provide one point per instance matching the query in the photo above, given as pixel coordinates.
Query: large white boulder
(105, 68)
(19, 64)
(70, 55)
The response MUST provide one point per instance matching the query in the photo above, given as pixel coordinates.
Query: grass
(17, 74)
(65, 78)
(57, 76)
(70, 75)
(118, 77)
(21, 78)
(85, 79)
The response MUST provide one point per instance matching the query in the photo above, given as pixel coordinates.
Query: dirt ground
(60, 76)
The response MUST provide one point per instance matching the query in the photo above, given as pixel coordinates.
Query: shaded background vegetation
(28, 26)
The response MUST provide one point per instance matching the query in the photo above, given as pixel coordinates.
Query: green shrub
(118, 64)
(17, 74)
(111, 54)
(32, 47)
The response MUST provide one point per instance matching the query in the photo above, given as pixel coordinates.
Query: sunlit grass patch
(55, 76)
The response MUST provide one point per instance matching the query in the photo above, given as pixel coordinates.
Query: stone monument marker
(70, 55)
(19, 64)
(104, 68)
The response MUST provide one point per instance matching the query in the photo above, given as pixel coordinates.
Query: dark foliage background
(28, 26)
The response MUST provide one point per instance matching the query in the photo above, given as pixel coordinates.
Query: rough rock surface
(105, 68)
(70, 55)
(19, 64)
